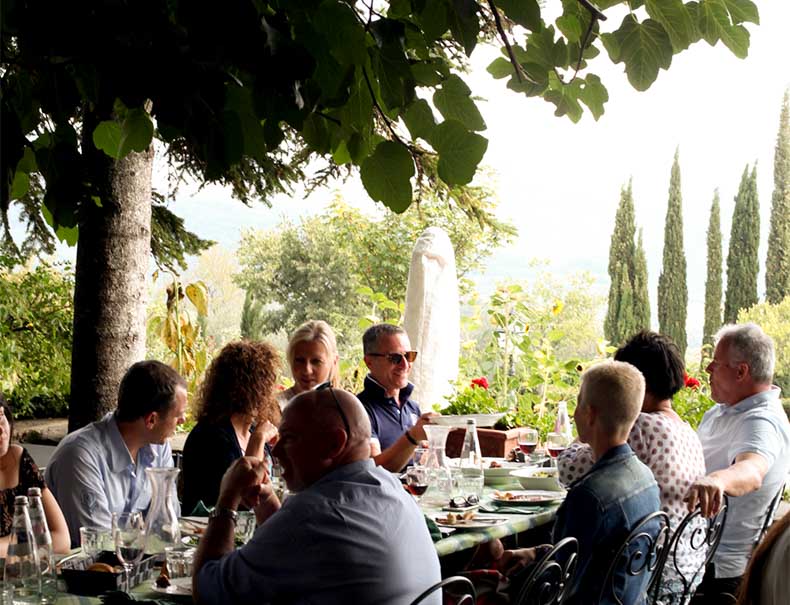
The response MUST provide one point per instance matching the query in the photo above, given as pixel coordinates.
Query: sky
(559, 182)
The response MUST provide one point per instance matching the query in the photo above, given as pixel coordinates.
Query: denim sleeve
(759, 435)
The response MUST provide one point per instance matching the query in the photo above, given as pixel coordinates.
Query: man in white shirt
(100, 469)
(746, 441)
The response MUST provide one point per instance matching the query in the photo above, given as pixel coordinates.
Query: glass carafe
(161, 522)
(439, 477)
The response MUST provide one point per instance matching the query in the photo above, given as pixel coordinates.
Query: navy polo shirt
(388, 420)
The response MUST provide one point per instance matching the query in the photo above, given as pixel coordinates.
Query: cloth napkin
(201, 510)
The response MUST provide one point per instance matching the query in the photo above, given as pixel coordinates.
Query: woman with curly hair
(312, 357)
(237, 415)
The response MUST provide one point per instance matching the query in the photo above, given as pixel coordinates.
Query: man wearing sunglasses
(396, 420)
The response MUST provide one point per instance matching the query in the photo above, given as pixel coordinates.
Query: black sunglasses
(328, 385)
(396, 358)
(461, 502)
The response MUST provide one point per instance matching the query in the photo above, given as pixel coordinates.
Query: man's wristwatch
(221, 511)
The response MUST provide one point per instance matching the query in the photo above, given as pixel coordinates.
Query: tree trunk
(110, 293)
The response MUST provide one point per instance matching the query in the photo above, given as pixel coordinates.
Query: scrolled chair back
(461, 588)
(552, 575)
(697, 536)
(642, 552)
(769, 516)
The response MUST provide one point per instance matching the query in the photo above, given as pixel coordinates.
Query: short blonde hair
(316, 330)
(616, 390)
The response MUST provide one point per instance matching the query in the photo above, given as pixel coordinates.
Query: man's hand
(417, 431)
(514, 560)
(708, 491)
(242, 482)
(268, 432)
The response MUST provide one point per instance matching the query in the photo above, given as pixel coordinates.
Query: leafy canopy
(245, 95)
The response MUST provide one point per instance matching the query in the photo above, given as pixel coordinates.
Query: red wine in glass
(528, 448)
(417, 489)
(555, 451)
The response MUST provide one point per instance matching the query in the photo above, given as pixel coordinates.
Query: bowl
(499, 475)
(541, 478)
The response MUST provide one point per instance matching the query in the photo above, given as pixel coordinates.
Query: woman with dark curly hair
(237, 415)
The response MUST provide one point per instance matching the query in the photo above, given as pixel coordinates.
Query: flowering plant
(690, 382)
(480, 382)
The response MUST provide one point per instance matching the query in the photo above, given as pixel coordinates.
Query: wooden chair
(463, 590)
(552, 575)
(642, 552)
(697, 536)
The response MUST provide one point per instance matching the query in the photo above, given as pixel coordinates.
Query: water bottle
(43, 540)
(471, 462)
(21, 562)
(562, 424)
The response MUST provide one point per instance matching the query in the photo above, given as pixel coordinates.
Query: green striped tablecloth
(141, 592)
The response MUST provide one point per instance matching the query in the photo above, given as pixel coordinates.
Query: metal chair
(465, 593)
(642, 552)
(769, 516)
(696, 536)
(551, 577)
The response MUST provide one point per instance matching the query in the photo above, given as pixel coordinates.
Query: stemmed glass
(528, 441)
(417, 481)
(129, 534)
(555, 445)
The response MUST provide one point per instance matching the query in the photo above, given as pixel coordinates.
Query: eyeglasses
(396, 358)
(328, 385)
(461, 502)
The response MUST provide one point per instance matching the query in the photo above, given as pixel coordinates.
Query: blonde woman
(312, 357)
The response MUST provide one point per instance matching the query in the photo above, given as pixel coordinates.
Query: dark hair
(371, 336)
(241, 380)
(659, 360)
(148, 386)
(9, 414)
(751, 585)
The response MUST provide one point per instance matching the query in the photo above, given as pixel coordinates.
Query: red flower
(690, 382)
(480, 382)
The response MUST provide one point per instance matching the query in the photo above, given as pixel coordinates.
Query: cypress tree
(625, 312)
(742, 262)
(713, 280)
(621, 255)
(251, 327)
(777, 262)
(641, 294)
(672, 290)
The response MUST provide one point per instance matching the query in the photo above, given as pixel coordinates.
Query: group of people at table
(350, 533)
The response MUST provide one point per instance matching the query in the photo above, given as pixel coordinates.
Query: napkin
(200, 510)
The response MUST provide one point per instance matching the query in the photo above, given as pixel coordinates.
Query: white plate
(533, 497)
(482, 420)
(178, 586)
(479, 522)
(503, 470)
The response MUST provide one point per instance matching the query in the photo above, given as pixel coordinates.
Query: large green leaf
(523, 12)
(571, 28)
(460, 151)
(387, 174)
(419, 119)
(675, 18)
(464, 23)
(743, 11)
(434, 18)
(644, 48)
(500, 68)
(565, 97)
(238, 100)
(594, 94)
(344, 33)
(454, 103)
(133, 133)
(714, 25)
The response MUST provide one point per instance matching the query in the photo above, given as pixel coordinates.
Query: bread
(102, 567)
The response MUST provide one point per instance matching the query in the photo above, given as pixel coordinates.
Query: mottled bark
(110, 295)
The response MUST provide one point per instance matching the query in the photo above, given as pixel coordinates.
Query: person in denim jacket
(604, 505)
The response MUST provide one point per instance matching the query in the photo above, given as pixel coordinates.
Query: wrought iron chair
(464, 590)
(552, 575)
(642, 552)
(769, 516)
(697, 536)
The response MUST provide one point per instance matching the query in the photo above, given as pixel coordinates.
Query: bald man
(349, 533)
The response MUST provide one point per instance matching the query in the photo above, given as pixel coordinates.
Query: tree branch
(503, 36)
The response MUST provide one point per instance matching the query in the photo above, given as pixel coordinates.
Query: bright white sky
(559, 182)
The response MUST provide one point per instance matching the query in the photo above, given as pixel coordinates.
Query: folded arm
(744, 476)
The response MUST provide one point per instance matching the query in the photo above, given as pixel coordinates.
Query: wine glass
(129, 533)
(417, 481)
(527, 441)
(555, 445)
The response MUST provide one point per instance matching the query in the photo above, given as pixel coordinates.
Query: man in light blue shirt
(100, 469)
(746, 441)
(349, 533)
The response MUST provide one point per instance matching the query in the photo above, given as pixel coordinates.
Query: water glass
(245, 526)
(6, 593)
(93, 540)
(179, 561)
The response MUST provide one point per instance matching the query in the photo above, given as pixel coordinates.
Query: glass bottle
(161, 522)
(471, 462)
(562, 424)
(43, 540)
(439, 477)
(21, 562)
